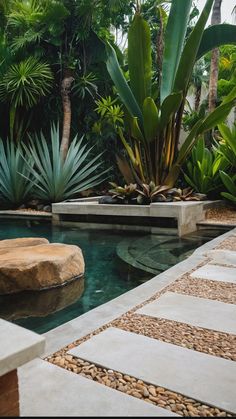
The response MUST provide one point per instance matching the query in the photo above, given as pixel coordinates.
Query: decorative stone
(6, 245)
(39, 267)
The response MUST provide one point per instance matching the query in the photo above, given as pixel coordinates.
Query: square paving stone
(216, 273)
(47, 390)
(203, 377)
(199, 312)
(224, 257)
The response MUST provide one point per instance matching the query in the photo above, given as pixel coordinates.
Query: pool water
(115, 262)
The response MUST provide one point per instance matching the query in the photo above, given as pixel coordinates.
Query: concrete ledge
(18, 346)
(187, 214)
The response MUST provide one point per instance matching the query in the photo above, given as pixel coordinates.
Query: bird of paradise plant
(152, 143)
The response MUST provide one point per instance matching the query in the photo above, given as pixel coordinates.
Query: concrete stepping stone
(224, 257)
(216, 273)
(199, 312)
(64, 393)
(200, 376)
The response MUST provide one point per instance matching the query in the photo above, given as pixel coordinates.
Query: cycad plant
(56, 179)
(14, 189)
(154, 126)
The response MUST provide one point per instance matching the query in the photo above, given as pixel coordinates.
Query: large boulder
(5, 245)
(39, 267)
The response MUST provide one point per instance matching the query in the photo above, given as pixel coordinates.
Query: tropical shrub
(154, 126)
(14, 189)
(56, 179)
(227, 144)
(202, 169)
(230, 184)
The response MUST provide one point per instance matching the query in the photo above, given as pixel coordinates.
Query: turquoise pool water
(116, 262)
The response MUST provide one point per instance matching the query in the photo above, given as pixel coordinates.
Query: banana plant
(152, 141)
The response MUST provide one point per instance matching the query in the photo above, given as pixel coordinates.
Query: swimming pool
(116, 262)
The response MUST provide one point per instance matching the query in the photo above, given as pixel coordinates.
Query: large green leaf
(151, 119)
(121, 84)
(139, 58)
(174, 41)
(216, 117)
(170, 105)
(190, 51)
(215, 36)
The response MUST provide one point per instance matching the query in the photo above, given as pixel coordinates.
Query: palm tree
(214, 71)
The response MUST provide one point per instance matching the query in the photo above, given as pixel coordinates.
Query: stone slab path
(214, 273)
(57, 392)
(199, 312)
(224, 257)
(203, 377)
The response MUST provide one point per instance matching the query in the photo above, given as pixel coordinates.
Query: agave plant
(155, 125)
(55, 179)
(14, 189)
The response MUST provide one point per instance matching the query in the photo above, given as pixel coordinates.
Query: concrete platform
(187, 214)
(198, 312)
(57, 392)
(203, 377)
(214, 273)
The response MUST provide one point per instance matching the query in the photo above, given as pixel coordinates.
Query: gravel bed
(204, 288)
(228, 244)
(199, 339)
(221, 215)
(137, 388)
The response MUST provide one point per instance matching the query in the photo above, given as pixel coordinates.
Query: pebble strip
(199, 339)
(208, 341)
(137, 388)
(228, 244)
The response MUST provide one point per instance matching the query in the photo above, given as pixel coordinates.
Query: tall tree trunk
(214, 72)
(197, 98)
(66, 103)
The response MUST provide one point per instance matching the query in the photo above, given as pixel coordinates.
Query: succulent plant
(126, 194)
(151, 193)
(186, 194)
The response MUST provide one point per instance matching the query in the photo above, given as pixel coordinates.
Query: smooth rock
(23, 242)
(39, 267)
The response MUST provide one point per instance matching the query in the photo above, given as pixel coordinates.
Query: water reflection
(40, 303)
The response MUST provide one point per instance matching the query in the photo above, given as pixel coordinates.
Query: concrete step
(203, 377)
(47, 390)
(213, 273)
(199, 312)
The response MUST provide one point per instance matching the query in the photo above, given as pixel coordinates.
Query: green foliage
(26, 82)
(110, 111)
(230, 184)
(151, 193)
(153, 150)
(126, 194)
(14, 189)
(202, 170)
(56, 180)
(226, 146)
